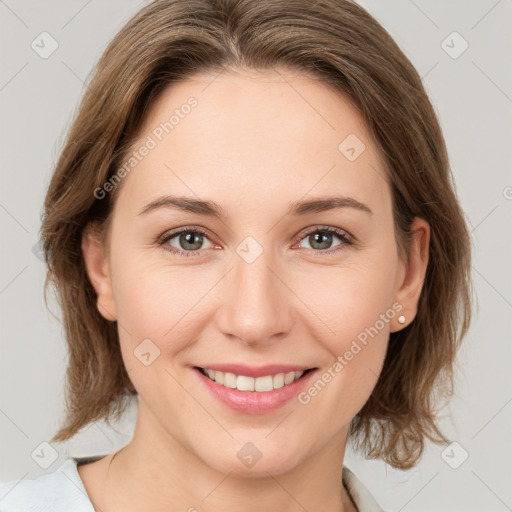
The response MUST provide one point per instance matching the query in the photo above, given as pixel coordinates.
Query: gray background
(473, 97)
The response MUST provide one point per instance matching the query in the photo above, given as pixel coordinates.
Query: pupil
(193, 239)
(323, 239)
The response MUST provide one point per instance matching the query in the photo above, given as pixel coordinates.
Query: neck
(149, 473)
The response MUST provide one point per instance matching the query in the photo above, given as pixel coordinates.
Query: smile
(268, 389)
(246, 383)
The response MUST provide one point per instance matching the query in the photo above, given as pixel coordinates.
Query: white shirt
(62, 490)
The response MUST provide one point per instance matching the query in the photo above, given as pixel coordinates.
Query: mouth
(259, 384)
(262, 393)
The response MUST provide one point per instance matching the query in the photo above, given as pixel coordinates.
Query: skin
(255, 142)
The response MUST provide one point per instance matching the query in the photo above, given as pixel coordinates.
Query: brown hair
(340, 44)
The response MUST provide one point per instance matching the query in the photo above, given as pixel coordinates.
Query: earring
(401, 319)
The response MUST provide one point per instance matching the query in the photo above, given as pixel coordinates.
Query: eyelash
(342, 235)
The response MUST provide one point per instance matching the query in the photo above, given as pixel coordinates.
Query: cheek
(158, 302)
(349, 375)
(347, 300)
(151, 294)
(352, 308)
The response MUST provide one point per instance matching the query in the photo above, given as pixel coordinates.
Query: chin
(256, 459)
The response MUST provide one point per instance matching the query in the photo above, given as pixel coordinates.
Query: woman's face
(269, 276)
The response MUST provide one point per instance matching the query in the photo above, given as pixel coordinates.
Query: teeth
(229, 379)
(245, 383)
(278, 380)
(288, 378)
(263, 383)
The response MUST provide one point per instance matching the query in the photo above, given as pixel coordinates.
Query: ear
(412, 275)
(97, 267)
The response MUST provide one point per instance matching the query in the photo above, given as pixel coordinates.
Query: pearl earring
(401, 319)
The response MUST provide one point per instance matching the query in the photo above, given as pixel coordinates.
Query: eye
(320, 239)
(190, 241)
(185, 242)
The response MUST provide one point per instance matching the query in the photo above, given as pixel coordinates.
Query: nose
(257, 304)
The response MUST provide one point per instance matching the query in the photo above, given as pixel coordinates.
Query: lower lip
(255, 402)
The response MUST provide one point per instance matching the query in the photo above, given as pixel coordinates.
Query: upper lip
(256, 371)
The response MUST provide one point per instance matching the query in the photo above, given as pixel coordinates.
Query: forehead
(245, 133)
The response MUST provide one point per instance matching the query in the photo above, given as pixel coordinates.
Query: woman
(253, 231)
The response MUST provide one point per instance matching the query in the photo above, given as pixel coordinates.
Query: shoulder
(360, 495)
(61, 490)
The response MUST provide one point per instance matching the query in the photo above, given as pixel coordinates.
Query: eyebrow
(212, 209)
